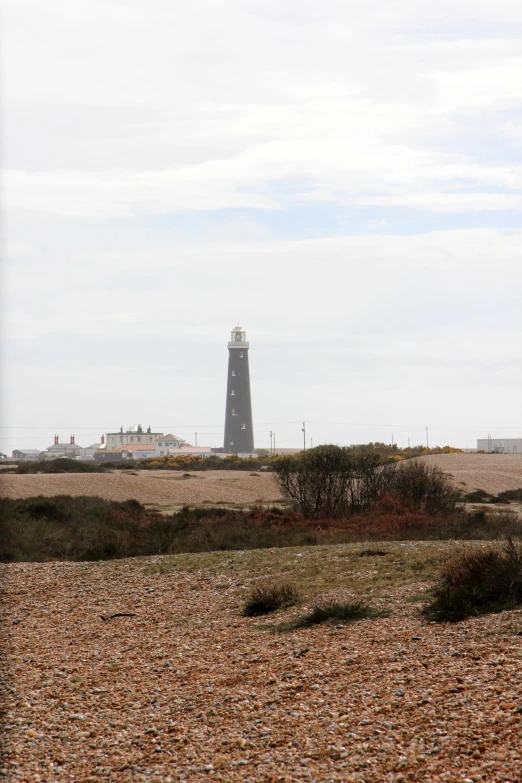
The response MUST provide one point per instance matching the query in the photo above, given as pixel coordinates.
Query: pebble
(102, 714)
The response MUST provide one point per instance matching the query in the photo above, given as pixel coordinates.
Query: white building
(500, 445)
(131, 436)
(167, 442)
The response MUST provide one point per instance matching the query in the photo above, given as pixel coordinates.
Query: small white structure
(500, 445)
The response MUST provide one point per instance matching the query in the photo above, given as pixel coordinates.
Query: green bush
(268, 598)
(478, 581)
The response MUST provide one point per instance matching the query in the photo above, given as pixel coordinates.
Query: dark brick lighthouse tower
(239, 431)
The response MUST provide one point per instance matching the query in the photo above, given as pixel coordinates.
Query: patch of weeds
(335, 611)
(478, 581)
(268, 598)
(374, 553)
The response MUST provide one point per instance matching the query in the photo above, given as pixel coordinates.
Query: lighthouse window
(233, 373)
(241, 355)
(233, 393)
(234, 412)
(243, 426)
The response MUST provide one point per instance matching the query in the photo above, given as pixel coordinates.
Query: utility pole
(392, 440)
(274, 445)
(196, 438)
(427, 441)
(271, 445)
(303, 430)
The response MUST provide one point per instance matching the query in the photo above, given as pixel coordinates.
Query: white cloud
(122, 116)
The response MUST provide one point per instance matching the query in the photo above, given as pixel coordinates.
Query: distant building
(90, 451)
(190, 451)
(500, 445)
(132, 436)
(59, 449)
(168, 442)
(137, 451)
(26, 454)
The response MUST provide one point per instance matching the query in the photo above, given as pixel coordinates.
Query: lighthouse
(239, 431)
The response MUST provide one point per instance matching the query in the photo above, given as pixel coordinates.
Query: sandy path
(188, 690)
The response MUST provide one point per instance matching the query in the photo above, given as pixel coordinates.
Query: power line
(269, 423)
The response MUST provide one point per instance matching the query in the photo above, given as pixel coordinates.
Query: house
(59, 449)
(90, 451)
(26, 454)
(137, 451)
(131, 436)
(169, 442)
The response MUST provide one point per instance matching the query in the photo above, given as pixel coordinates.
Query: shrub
(511, 494)
(334, 482)
(337, 610)
(477, 496)
(317, 482)
(478, 581)
(268, 598)
(61, 465)
(425, 486)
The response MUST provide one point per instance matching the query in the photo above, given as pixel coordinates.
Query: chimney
(72, 440)
(102, 439)
(56, 440)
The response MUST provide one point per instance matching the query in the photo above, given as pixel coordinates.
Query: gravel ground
(163, 487)
(491, 472)
(187, 689)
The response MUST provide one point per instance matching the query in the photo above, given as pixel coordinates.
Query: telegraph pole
(427, 442)
(303, 430)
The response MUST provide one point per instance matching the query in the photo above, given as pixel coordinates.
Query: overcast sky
(344, 179)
